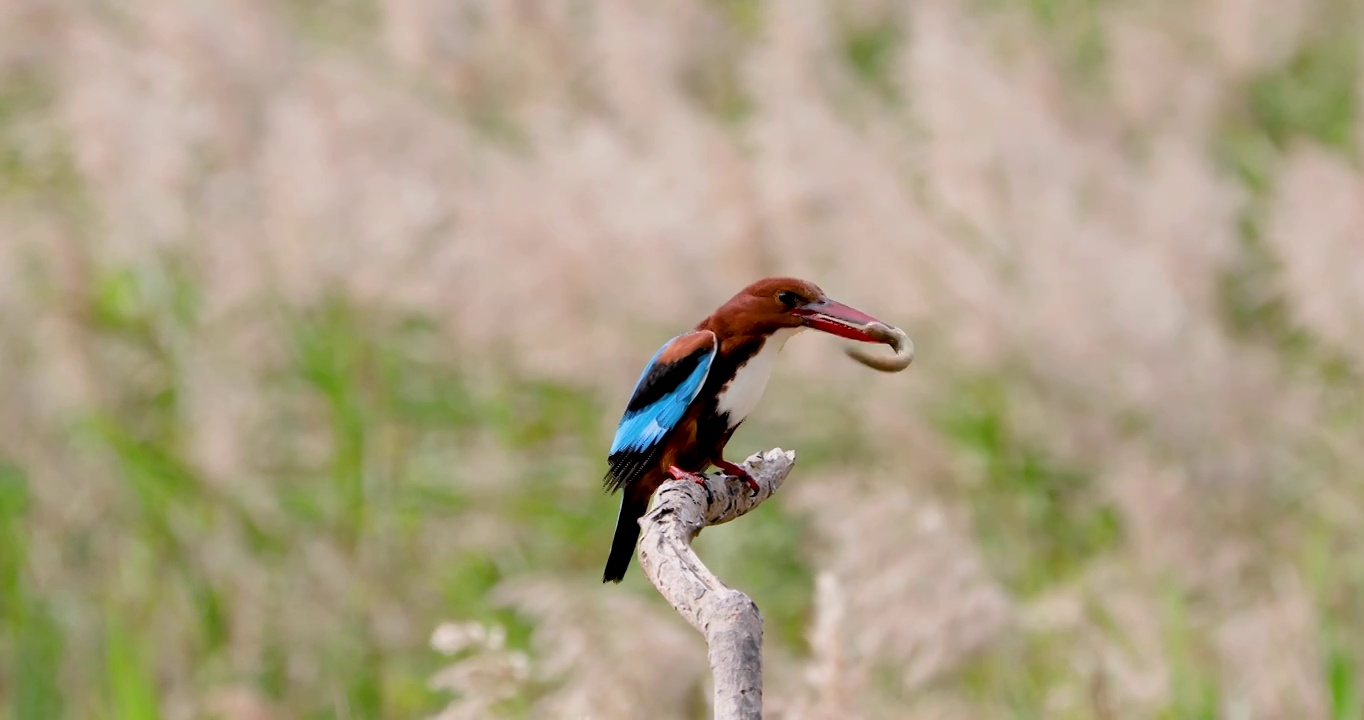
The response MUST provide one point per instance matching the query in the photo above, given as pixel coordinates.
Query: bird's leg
(738, 472)
(680, 474)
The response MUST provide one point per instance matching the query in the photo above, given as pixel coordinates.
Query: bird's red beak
(838, 319)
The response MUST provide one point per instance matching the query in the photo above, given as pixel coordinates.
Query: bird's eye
(788, 298)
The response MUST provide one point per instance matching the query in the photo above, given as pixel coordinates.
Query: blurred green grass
(1039, 523)
(393, 399)
(391, 416)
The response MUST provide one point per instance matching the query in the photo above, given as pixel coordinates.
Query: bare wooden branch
(729, 620)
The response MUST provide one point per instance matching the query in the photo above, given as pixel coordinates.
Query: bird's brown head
(775, 303)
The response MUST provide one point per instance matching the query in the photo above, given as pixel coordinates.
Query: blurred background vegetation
(316, 319)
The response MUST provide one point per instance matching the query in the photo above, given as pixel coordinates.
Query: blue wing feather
(642, 428)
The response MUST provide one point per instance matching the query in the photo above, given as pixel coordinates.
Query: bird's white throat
(740, 395)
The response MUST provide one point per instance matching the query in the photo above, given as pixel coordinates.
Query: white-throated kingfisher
(701, 385)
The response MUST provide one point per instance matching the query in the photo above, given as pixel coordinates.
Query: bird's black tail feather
(632, 508)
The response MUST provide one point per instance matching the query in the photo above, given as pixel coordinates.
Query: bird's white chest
(740, 395)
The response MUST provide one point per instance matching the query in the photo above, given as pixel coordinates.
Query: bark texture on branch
(728, 619)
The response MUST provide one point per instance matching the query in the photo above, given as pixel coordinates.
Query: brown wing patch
(684, 345)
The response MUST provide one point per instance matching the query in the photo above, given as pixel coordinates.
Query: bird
(700, 386)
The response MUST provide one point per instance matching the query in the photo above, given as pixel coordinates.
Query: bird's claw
(739, 472)
(680, 474)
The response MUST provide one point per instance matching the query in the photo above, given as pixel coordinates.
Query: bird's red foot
(738, 472)
(680, 474)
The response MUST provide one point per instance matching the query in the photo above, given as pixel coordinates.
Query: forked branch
(729, 620)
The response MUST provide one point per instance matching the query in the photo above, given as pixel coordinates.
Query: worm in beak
(892, 336)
